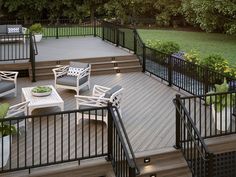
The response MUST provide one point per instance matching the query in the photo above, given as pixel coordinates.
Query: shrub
(192, 56)
(216, 62)
(36, 28)
(167, 47)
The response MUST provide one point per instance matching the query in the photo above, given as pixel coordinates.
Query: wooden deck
(147, 109)
(64, 48)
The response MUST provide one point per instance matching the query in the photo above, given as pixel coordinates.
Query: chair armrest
(60, 71)
(99, 90)
(91, 101)
(84, 72)
(18, 108)
(9, 75)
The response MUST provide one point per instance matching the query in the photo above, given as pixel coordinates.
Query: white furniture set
(75, 77)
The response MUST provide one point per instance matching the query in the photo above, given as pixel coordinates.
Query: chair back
(115, 95)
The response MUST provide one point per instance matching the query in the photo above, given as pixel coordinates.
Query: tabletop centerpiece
(41, 91)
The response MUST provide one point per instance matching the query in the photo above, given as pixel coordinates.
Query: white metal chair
(74, 76)
(18, 110)
(8, 83)
(100, 98)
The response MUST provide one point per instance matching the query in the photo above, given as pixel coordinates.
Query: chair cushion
(78, 65)
(72, 71)
(71, 80)
(3, 29)
(113, 90)
(6, 86)
(14, 29)
(99, 112)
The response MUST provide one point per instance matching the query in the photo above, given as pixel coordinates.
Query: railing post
(177, 123)
(94, 28)
(135, 42)
(170, 71)
(103, 31)
(132, 172)
(206, 80)
(210, 164)
(57, 32)
(32, 57)
(110, 132)
(117, 37)
(144, 58)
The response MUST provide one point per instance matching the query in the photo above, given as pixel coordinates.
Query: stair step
(163, 163)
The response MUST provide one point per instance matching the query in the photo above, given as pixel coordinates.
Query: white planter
(38, 37)
(6, 150)
(220, 117)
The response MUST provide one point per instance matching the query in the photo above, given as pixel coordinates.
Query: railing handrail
(191, 122)
(131, 161)
(207, 94)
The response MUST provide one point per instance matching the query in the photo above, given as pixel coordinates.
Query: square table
(51, 100)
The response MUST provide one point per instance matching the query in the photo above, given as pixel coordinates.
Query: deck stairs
(104, 65)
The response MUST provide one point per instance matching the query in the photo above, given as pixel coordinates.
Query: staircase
(163, 163)
(104, 65)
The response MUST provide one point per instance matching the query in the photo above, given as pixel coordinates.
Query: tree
(211, 15)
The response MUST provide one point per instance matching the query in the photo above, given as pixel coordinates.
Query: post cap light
(153, 175)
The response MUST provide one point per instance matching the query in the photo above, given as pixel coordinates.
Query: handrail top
(192, 124)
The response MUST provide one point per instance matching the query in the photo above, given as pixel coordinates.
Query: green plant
(167, 47)
(216, 62)
(192, 56)
(5, 128)
(41, 89)
(221, 101)
(36, 28)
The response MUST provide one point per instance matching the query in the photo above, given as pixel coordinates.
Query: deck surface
(64, 48)
(147, 109)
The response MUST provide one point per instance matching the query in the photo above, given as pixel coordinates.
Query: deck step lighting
(147, 160)
(153, 175)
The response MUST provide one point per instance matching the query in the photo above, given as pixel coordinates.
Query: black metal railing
(14, 47)
(68, 136)
(192, 145)
(119, 147)
(62, 27)
(192, 78)
(212, 114)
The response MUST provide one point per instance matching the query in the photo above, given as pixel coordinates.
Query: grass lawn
(205, 43)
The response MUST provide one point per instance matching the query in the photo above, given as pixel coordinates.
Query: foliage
(5, 129)
(36, 28)
(221, 101)
(167, 47)
(192, 56)
(211, 15)
(41, 89)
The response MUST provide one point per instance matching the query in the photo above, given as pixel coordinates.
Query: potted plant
(6, 131)
(41, 91)
(221, 105)
(37, 29)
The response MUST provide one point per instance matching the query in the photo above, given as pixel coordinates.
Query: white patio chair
(8, 83)
(18, 110)
(100, 98)
(74, 76)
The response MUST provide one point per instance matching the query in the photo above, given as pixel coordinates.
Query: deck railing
(192, 145)
(62, 27)
(15, 48)
(69, 136)
(192, 78)
(202, 117)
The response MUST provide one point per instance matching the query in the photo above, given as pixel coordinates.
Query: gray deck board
(147, 112)
(64, 48)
